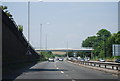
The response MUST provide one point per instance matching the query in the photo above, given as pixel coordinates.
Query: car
(117, 60)
(60, 59)
(101, 60)
(51, 60)
(74, 59)
(78, 58)
(69, 59)
(82, 59)
(57, 58)
(87, 59)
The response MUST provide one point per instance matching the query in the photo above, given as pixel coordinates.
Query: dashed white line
(73, 80)
(62, 72)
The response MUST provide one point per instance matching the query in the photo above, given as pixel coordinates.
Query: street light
(41, 25)
(67, 49)
(28, 48)
(46, 42)
(40, 38)
(28, 21)
(46, 45)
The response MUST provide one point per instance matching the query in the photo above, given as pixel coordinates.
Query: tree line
(102, 43)
(46, 55)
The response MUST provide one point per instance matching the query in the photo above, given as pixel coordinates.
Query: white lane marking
(62, 72)
(73, 80)
(57, 68)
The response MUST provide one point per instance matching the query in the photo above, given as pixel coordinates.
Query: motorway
(63, 70)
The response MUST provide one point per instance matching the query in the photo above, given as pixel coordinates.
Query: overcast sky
(65, 21)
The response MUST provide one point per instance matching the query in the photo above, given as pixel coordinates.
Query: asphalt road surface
(63, 70)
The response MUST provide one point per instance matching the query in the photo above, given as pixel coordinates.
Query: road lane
(63, 70)
(44, 70)
(78, 72)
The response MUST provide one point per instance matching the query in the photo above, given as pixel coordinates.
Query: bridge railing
(107, 65)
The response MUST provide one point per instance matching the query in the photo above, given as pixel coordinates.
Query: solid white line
(62, 72)
(73, 80)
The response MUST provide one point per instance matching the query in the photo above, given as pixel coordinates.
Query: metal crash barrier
(107, 65)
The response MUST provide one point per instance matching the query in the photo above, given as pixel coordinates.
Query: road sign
(116, 49)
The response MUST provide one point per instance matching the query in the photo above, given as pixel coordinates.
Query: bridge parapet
(65, 50)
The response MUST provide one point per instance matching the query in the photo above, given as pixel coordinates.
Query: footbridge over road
(87, 51)
(67, 50)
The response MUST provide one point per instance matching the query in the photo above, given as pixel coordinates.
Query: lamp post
(41, 25)
(28, 47)
(46, 42)
(40, 38)
(28, 51)
(67, 49)
(28, 21)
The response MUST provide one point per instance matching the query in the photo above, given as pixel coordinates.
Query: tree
(103, 36)
(101, 55)
(20, 28)
(70, 54)
(103, 33)
(117, 38)
(46, 55)
(114, 39)
(4, 8)
(89, 42)
(100, 43)
(50, 52)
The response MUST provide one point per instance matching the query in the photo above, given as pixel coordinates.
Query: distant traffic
(77, 59)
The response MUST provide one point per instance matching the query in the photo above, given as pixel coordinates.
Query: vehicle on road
(117, 60)
(51, 60)
(74, 59)
(69, 59)
(87, 59)
(57, 58)
(60, 59)
(101, 60)
(82, 59)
